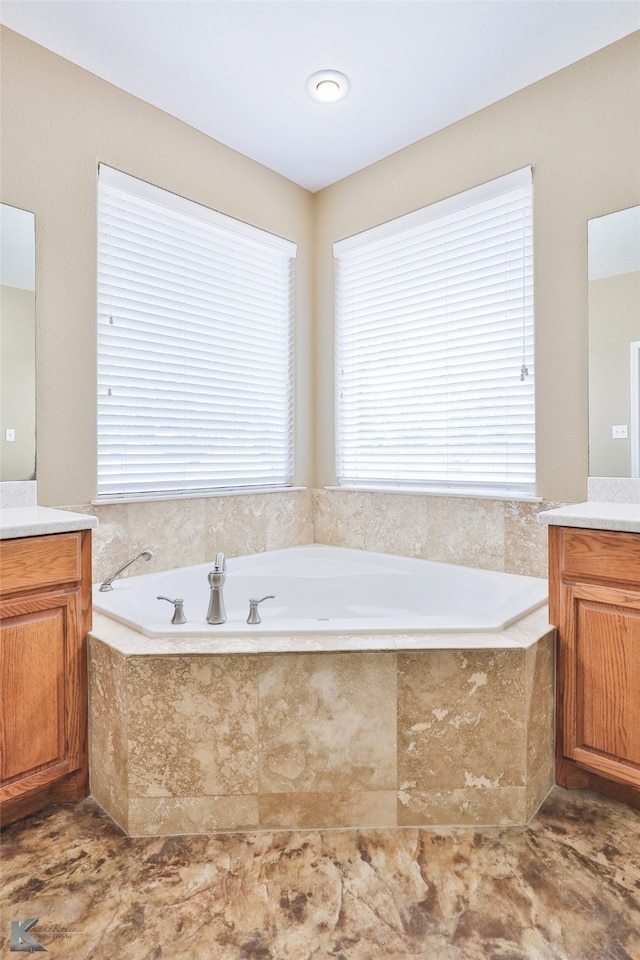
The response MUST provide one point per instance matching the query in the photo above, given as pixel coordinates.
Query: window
(434, 347)
(195, 347)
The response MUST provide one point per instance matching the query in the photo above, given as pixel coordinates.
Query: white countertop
(36, 521)
(595, 515)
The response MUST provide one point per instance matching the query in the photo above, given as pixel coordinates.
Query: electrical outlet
(619, 432)
(10, 435)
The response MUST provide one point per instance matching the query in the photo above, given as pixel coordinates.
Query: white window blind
(434, 347)
(195, 314)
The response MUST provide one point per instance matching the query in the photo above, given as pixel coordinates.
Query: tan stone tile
(526, 550)
(340, 518)
(538, 786)
(311, 811)
(462, 719)
(237, 525)
(108, 766)
(174, 529)
(397, 524)
(110, 540)
(470, 806)
(540, 704)
(289, 518)
(327, 722)
(166, 816)
(192, 726)
(469, 532)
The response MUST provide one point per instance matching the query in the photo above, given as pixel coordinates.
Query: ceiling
(237, 69)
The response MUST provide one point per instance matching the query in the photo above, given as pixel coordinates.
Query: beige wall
(614, 322)
(58, 123)
(580, 131)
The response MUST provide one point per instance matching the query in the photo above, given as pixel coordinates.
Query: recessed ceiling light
(328, 85)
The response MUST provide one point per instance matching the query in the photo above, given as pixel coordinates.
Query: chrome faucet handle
(178, 613)
(218, 575)
(254, 616)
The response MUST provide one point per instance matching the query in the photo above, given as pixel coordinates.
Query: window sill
(430, 492)
(227, 492)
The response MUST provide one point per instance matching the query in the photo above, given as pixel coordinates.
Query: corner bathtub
(326, 590)
(377, 692)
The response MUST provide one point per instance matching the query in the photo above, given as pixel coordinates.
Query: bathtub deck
(131, 643)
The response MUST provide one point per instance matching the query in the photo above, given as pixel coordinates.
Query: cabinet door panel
(608, 649)
(32, 658)
(594, 601)
(598, 672)
(45, 613)
(39, 687)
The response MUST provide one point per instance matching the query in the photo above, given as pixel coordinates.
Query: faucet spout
(216, 612)
(145, 554)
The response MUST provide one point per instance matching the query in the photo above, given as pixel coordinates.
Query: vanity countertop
(33, 521)
(595, 515)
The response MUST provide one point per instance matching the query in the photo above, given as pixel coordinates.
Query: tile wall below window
(489, 534)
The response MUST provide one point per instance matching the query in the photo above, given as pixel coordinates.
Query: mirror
(614, 344)
(17, 344)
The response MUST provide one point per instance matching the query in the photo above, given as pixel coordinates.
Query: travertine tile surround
(185, 532)
(490, 534)
(200, 743)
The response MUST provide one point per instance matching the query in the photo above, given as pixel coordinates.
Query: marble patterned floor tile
(565, 887)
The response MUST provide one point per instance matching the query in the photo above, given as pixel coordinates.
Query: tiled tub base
(200, 743)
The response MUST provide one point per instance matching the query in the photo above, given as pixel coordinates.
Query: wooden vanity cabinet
(594, 601)
(45, 614)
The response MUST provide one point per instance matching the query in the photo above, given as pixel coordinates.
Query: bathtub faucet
(217, 577)
(145, 554)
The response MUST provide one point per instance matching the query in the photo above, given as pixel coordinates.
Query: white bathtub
(327, 590)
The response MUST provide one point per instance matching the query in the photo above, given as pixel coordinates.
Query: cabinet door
(600, 678)
(41, 664)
